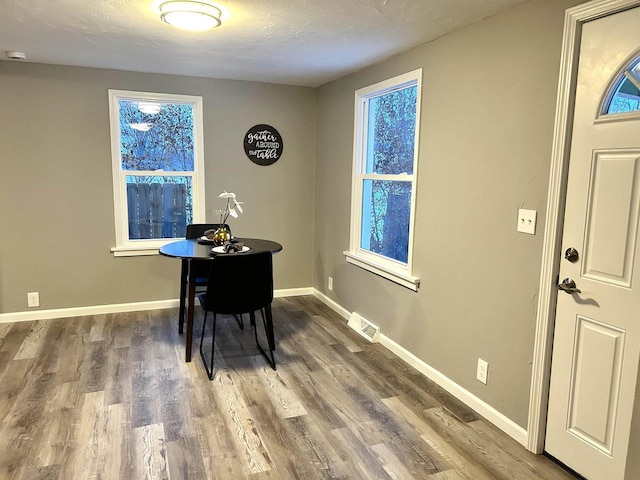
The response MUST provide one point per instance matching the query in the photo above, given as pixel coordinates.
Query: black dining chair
(195, 231)
(200, 267)
(240, 283)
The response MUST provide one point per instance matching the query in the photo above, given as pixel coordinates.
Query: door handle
(568, 286)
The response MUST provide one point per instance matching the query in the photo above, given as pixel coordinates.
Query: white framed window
(383, 192)
(158, 168)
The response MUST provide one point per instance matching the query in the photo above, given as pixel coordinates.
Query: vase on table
(221, 235)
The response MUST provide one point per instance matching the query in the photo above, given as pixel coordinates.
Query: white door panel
(595, 383)
(611, 226)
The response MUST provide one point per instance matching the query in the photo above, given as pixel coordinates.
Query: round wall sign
(263, 144)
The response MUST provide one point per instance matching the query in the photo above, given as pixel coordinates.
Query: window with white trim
(158, 168)
(383, 192)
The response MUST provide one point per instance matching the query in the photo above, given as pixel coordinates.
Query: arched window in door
(623, 94)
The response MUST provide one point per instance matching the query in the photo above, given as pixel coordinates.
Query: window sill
(401, 278)
(134, 251)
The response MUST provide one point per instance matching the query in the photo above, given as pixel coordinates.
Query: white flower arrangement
(233, 207)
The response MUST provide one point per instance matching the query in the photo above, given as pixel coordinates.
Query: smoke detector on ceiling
(14, 55)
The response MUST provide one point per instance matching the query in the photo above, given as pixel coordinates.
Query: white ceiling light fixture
(190, 14)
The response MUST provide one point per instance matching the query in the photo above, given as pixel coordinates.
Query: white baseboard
(117, 308)
(343, 312)
(82, 311)
(292, 292)
(492, 415)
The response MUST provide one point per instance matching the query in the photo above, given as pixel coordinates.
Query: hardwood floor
(111, 397)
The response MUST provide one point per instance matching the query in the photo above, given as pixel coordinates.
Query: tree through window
(390, 151)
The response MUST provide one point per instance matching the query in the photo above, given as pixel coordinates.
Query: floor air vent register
(364, 327)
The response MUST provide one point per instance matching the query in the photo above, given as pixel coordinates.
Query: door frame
(545, 320)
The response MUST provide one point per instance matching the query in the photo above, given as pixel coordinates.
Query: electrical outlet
(33, 299)
(330, 283)
(483, 369)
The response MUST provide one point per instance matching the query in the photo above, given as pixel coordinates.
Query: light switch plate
(482, 371)
(527, 221)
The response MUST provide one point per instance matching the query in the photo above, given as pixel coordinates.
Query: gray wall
(56, 198)
(487, 120)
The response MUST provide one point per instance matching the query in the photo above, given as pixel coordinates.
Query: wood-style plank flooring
(110, 397)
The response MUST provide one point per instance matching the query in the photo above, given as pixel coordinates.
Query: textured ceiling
(296, 42)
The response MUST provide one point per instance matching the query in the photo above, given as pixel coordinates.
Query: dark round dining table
(198, 250)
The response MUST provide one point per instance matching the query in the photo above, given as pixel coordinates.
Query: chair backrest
(196, 230)
(240, 283)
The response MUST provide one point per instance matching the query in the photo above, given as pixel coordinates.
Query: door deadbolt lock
(571, 255)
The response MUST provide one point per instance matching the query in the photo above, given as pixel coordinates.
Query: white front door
(597, 330)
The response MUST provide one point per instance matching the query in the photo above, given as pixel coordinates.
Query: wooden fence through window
(157, 210)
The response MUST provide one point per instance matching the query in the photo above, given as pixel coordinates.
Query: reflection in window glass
(386, 208)
(627, 92)
(156, 139)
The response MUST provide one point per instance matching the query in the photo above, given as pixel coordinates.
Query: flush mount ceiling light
(190, 15)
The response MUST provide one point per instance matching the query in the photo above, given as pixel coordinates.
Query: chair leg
(213, 344)
(265, 320)
(240, 320)
(272, 337)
